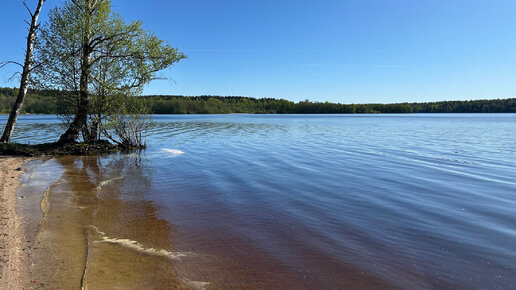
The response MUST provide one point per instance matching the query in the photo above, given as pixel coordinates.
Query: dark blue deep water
(414, 201)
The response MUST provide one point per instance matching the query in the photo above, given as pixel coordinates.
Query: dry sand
(14, 269)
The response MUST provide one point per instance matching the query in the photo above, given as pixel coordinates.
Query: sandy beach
(14, 259)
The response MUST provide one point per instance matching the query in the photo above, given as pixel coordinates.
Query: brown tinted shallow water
(97, 231)
(92, 237)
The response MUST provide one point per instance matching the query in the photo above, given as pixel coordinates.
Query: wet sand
(14, 269)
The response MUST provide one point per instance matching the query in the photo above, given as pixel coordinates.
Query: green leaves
(123, 57)
(97, 59)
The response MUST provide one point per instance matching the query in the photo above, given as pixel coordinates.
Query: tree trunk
(80, 122)
(24, 82)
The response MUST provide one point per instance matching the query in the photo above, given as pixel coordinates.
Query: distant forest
(47, 102)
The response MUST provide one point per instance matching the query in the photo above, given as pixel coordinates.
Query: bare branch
(28, 9)
(2, 64)
(13, 76)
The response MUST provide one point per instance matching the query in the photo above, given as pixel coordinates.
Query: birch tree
(27, 68)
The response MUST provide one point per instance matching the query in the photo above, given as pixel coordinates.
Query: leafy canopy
(123, 57)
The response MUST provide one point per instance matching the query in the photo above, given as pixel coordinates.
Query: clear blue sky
(341, 51)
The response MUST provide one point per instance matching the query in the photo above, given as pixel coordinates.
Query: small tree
(27, 69)
(99, 60)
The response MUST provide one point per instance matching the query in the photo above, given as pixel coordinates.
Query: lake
(288, 201)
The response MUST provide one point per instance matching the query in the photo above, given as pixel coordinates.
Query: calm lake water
(294, 201)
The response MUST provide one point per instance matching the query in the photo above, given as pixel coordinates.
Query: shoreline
(14, 262)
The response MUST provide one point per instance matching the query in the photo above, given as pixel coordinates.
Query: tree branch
(36, 66)
(28, 9)
(98, 40)
(2, 64)
(13, 76)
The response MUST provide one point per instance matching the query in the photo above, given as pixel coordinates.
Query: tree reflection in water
(102, 230)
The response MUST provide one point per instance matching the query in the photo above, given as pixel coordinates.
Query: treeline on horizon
(47, 102)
